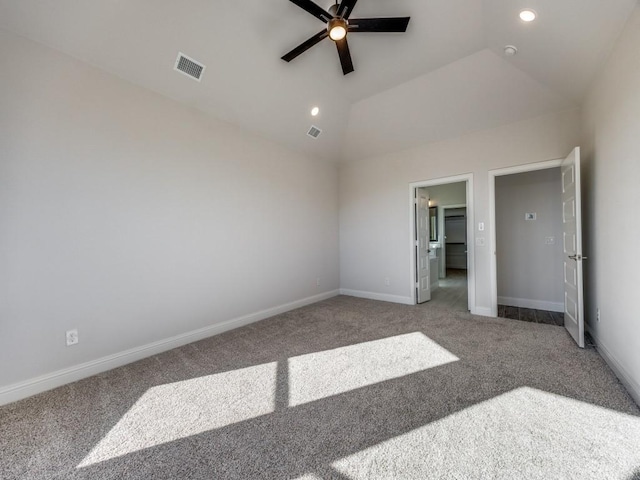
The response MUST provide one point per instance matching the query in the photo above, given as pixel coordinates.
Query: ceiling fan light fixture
(339, 25)
(338, 33)
(337, 28)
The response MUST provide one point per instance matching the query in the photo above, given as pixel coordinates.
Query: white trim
(383, 297)
(527, 167)
(471, 271)
(18, 391)
(627, 380)
(483, 312)
(528, 303)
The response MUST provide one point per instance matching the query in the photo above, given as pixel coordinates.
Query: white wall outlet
(387, 281)
(480, 241)
(597, 314)
(318, 282)
(550, 240)
(72, 337)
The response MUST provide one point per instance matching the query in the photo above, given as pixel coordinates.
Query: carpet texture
(343, 389)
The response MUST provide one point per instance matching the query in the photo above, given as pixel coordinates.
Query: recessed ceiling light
(527, 15)
(315, 111)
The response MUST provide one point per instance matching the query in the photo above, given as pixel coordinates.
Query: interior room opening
(529, 246)
(447, 246)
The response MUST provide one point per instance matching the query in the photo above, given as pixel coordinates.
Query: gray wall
(611, 153)
(135, 219)
(529, 270)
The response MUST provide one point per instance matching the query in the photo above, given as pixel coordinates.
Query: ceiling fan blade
(345, 56)
(304, 46)
(313, 9)
(346, 7)
(396, 24)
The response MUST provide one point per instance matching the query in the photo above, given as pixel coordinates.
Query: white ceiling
(446, 76)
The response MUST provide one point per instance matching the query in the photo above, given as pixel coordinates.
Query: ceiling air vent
(189, 67)
(314, 131)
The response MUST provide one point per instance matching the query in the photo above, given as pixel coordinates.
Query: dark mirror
(433, 224)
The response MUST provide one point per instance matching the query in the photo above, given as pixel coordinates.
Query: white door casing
(423, 286)
(572, 247)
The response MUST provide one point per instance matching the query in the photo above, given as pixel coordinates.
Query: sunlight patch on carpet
(525, 433)
(319, 375)
(178, 410)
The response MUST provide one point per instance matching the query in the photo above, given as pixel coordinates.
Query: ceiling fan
(338, 25)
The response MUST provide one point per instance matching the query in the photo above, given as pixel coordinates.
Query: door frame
(499, 172)
(471, 271)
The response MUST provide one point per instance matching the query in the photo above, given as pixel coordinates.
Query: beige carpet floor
(346, 389)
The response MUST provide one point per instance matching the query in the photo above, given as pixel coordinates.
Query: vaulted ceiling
(446, 76)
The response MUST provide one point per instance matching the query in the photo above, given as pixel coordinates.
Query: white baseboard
(632, 386)
(18, 391)
(384, 297)
(527, 303)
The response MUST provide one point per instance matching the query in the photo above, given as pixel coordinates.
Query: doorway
(454, 265)
(451, 276)
(529, 246)
(568, 240)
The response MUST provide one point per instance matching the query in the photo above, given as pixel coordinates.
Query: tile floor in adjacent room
(531, 315)
(452, 294)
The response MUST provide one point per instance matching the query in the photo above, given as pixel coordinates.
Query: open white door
(423, 287)
(572, 241)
